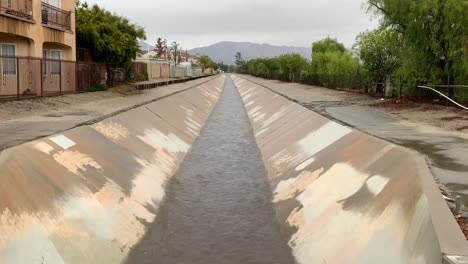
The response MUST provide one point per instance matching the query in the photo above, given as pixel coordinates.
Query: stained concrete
(87, 195)
(21, 130)
(218, 207)
(445, 152)
(345, 196)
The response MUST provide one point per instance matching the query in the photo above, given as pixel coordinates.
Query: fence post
(42, 83)
(448, 90)
(399, 87)
(419, 93)
(60, 78)
(17, 78)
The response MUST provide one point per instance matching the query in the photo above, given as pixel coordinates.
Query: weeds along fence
(26, 77)
(399, 89)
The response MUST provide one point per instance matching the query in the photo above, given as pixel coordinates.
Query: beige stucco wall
(39, 34)
(165, 71)
(23, 45)
(67, 52)
(154, 71)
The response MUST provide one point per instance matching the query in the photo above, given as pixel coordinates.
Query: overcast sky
(279, 22)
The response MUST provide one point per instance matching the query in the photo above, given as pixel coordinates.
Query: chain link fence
(394, 88)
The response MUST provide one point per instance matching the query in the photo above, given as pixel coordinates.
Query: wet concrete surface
(20, 130)
(446, 153)
(218, 207)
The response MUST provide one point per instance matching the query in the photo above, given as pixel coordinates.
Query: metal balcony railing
(17, 8)
(56, 17)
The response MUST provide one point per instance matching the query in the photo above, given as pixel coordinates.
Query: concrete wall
(178, 72)
(158, 70)
(208, 71)
(346, 197)
(197, 72)
(88, 194)
(154, 71)
(165, 71)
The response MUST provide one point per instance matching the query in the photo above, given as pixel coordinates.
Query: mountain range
(225, 51)
(145, 46)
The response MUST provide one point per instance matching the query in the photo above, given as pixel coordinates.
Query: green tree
(239, 60)
(160, 48)
(205, 62)
(292, 65)
(223, 67)
(379, 51)
(289, 65)
(214, 66)
(111, 39)
(327, 44)
(175, 48)
(433, 34)
(331, 62)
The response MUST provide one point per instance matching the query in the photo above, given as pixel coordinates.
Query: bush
(140, 78)
(96, 87)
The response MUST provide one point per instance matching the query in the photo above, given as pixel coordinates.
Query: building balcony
(55, 17)
(20, 9)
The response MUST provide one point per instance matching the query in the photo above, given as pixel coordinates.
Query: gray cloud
(204, 22)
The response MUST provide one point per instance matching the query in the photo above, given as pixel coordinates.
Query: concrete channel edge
(340, 196)
(87, 195)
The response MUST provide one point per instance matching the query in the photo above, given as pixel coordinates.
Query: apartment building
(37, 47)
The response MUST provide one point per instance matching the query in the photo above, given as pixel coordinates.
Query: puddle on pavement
(434, 153)
(444, 162)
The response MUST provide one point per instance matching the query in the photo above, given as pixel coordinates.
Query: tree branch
(386, 14)
(381, 9)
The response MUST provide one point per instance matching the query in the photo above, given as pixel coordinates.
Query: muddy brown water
(218, 207)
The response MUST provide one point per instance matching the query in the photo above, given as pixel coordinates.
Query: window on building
(8, 63)
(55, 57)
(55, 3)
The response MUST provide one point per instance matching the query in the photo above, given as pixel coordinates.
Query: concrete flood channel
(226, 172)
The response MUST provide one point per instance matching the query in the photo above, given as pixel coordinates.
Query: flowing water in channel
(218, 208)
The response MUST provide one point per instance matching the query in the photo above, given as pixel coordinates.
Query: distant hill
(225, 51)
(144, 46)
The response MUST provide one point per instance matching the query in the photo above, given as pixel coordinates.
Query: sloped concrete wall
(88, 194)
(346, 197)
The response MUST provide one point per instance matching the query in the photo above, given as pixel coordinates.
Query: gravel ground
(463, 222)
